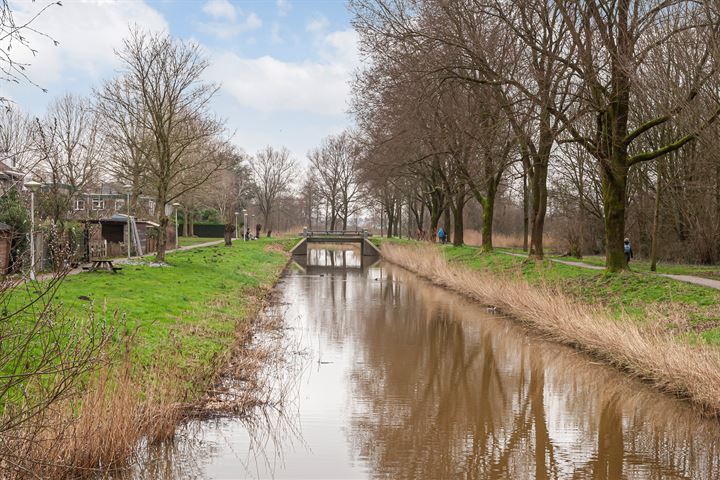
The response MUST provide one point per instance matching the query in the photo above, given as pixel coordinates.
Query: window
(119, 204)
(79, 204)
(151, 207)
(98, 204)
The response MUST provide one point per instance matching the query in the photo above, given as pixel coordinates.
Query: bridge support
(368, 249)
(300, 248)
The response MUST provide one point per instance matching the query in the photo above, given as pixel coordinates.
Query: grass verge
(180, 324)
(681, 308)
(643, 350)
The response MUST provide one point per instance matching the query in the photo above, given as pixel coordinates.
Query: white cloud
(317, 25)
(283, 7)
(87, 33)
(220, 9)
(229, 22)
(266, 84)
(275, 36)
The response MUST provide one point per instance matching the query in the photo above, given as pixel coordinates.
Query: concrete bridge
(360, 237)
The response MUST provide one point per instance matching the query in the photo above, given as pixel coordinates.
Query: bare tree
(16, 43)
(336, 168)
(273, 174)
(162, 91)
(69, 148)
(15, 139)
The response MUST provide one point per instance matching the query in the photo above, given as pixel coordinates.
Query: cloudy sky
(283, 65)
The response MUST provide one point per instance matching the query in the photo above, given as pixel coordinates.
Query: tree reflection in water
(423, 384)
(443, 390)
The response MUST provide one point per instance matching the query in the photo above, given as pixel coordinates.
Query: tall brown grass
(473, 237)
(125, 407)
(647, 352)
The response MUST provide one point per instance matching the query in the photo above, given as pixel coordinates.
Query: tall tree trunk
(458, 226)
(488, 205)
(447, 221)
(539, 209)
(185, 222)
(614, 186)
(162, 236)
(656, 219)
(390, 214)
(398, 225)
(526, 220)
(229, 231)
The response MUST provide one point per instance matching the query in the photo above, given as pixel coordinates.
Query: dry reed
(687, 371)
(104, 428)
(473, 237)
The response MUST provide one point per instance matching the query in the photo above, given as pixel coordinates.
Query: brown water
(402, 380)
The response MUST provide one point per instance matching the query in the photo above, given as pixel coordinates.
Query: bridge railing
(335, 233)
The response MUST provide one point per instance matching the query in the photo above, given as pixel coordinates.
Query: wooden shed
(5, 244)
(110, 240)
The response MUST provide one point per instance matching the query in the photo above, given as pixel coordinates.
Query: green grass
(689, 309)
(185, 312)
(188, 241)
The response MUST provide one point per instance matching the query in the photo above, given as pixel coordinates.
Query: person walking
(627, 248)
(442, 235)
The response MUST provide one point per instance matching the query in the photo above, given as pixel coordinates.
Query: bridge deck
(336, 236)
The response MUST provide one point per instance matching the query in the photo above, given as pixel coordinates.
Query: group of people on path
(440, 233)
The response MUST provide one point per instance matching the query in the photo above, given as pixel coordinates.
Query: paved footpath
(705, 282)
(124, 260)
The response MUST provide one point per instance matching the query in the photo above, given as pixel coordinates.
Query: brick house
(106, 200)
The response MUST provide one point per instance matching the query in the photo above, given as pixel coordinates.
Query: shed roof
(4, 227)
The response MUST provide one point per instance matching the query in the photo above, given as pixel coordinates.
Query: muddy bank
(690, 372)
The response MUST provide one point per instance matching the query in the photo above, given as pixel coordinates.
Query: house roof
(7, 172)
(120, 218)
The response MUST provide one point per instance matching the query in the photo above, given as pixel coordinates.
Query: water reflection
(446, 391)
(408, 381)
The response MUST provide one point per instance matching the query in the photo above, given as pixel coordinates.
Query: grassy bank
(533, 295)
(683, 309)
(194, 303)
(179, 324)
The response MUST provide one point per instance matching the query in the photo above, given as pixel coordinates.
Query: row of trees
(596, 102)
(150, 129)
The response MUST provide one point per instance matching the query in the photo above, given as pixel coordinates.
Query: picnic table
(105, 264)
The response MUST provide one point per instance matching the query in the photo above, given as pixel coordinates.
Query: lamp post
(33, 187)
(177, 239)
(245, 225)
(128, 189)
(236, 225)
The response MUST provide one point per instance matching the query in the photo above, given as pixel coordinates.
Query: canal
(395, 378)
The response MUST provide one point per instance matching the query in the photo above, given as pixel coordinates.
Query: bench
(104, 264)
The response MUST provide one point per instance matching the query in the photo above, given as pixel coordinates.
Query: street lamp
(236, 225)
(128, 189)
(245, 226)
(33, 186)
(177, 239)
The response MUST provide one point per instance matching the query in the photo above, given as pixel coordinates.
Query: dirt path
(705, 282)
